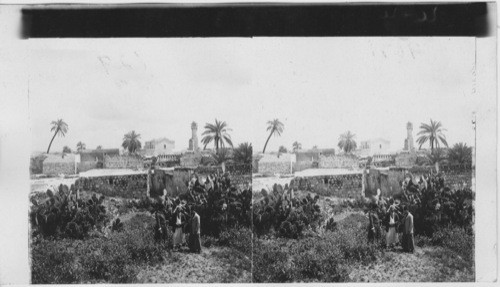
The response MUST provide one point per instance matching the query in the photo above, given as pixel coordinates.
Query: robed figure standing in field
(195, 240)
(374, 232)
(408, 241)
(391, 221)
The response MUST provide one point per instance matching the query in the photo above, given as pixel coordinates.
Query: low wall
(274, 168)
(123, 162)
(347, 185)
(127, 186)
(389, 181)
(338, 161)
(190, 160)
(303, 165)
(55, 168)
(239, 169)
(86, 165)
(406, 160)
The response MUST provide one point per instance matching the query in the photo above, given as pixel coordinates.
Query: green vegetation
(274, 127)
(295, 243)
(347, 142)
(60, 128)
(131, 142)
(217, 133)
(433, 133)
(81, 146)
(74, 240)
(243, 153)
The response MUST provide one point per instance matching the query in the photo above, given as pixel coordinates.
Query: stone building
(344, 161)
(310, 158)
(158, 146)
(56, 164)
(91, 159)
(409, 138)
(271, 164)
(373, 147)
(193, 141)
(133, 162)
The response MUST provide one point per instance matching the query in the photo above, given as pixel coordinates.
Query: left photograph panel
(140, 169)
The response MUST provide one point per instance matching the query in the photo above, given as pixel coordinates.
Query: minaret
(193, 142)
(409, 138)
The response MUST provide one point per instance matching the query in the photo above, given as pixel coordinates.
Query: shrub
(456, 239)
(270, 263)
(208, 241)
(53, 262)
(112, 259)
(63, 215)
(238, 238)
(314, 258)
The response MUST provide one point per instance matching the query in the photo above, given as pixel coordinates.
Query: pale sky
(318, 87)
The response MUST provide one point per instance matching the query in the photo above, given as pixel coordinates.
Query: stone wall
(338, 161)
(190, 160)
(241, 181)
(389, 181)
(345, 185)
(55, 168)
(128, 186)
(86, 165)
(303, 165)
(406, 160)
(240, 175)
(239, 169)
(123, 162)
(271, 168)
(454, 176)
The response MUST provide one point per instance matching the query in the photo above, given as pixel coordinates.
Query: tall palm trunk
(50, 144)
(270, 134)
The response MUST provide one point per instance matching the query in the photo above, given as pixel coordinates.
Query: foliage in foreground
(288, 217)
(457, 239)
(104, 259)
(314, 258)
(65, 215)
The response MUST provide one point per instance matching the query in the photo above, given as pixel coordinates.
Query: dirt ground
(206, 267)
(210, 266)
(426, 264)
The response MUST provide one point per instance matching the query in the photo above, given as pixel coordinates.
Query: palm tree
(436, 158)
(60, 128)
(347, 142)
(275, 127)
(432, 133)
(282, 149)
(66, 149)
(81, 146)
(297, 146)
(460, 154)
(221, 156)
(217, 133)
(131, 142)
(243, 153)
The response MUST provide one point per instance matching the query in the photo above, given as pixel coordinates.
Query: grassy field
(344, 255)
(133, 256)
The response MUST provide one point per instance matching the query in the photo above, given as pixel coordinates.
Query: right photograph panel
(364, 159)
